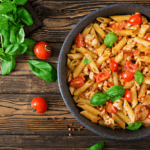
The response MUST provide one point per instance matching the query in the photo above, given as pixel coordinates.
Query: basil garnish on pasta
(139, 77)
(87, 61)
(134, 126)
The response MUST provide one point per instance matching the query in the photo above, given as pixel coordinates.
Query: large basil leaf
(43, 70)
(139, 77)
(97, 146)
(20, 36)
(24, 16)
(99, 99)
(134, 126)
(5, 57)
(6, 7)
(13, 33)
(115, 92)
(8, 66)
(20, 2)
(4, 23)
(30, 43)
(8, 16)
(5, 38)
(16, 49)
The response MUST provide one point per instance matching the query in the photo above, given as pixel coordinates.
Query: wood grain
(22, 129)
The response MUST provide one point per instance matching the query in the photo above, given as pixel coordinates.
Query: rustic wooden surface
(20, 128)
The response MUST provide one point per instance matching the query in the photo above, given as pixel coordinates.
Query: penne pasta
(71, 89)
(101, 49)
(143, 30)
(128, 85)
(141, 41)
(120, 17)
(115, 78)
(87, 30)
(126, 32)
(142, 91)
(134, 100)
(119, 57)
(75, 56)
(103, 20)
(73, 64)
(146, 80)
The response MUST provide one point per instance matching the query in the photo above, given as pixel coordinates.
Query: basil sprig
(134, 126)
(43, 70)
(109, 39)
(139, 77)
(114, 93)
(87, 61)
(97, 146)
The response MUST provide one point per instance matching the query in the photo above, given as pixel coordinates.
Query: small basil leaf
(30, 43)
(24, 16)
(87, 61)
(6, 7)
(43, 70)
(5, 38)
(109, 39)
(99, 99)
(115, 92)
(13, 32)
(20, 2)
(134, 126)
(16, 49)
(139, 77)
(97, 146)
(20, 36)
(8, 66)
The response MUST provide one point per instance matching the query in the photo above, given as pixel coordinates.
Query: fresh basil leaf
(8, 16)
(20, 36)
(30, 43)
(13, 33)
(16, 49)
(24, 16)
(115, 92)
(97, 146)
(109, 39)
(134, 126)
(8, 66)
(6, 7)
(43, 70)
(1, 51)
(139, 77)
(4, 23)
(99, 99)
(5, 57)
(20, 2)
(87, 61)
(5, 38)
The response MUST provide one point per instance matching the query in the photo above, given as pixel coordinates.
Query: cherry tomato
(79, 40)
(118, 25)
(130, 66)
(113, 65)
(148, 116)
(128, 76)
(148, 37)
(102, 76)
(110, 108)
(135, 19)
(40, 104)
(77, 82)
(127, 95)
(42, 50)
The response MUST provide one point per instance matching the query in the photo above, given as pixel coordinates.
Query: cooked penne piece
(142, 91)
(125, 118)
(79, 68)
(89, 108)
(90, 116)
(99, 38)
(143, 30)
(86, 101)
(146, 122)
(76, 98)
(73, 64)
(115, 78)
(120, 17)
(103, 20)
(99, 30)
(113, 126)
(129, 111)
(109, 29)
(118, 120)
(84, 87)
(126, 32)
(119, 46)
(75, 56)
(146, 80)
(92, 32)
(141, 41)
(68, 61)
(144, 58)
(134, 100)
(101, 49)
(71, 89)
(92, 64)
(87, 29)
(128, 85)
(119, 57)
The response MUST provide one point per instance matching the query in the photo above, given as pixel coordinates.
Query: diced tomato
(127, 95)
(113, 65)
(118, 25)
(77, 82)
(102, 76)
(130, 66)
(79, 40)
(148, 116)
(110, 108)
(128, 76)
(135, 19)
(148, 37)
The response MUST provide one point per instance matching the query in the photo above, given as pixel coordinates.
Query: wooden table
(20, 128)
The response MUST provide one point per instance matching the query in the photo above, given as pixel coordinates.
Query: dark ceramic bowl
(116, 9)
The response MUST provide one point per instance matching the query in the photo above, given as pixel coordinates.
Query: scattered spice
(71, 125)
(54, 118)
(70, 134)
(63, 118)
(72, 129)
(67, 126)
(81, 127)
(69, 129)
(33, 110)
(60, 119)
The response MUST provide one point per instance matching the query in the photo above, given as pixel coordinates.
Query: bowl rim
(59, 73)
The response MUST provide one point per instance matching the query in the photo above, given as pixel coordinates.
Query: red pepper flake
(81, 127)
(70, 124)
(60, 119)
(54, 118)
(72, 129)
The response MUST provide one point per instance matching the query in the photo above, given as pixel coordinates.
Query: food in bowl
(109, 73)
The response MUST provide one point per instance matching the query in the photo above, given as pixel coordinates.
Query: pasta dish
(108, 71)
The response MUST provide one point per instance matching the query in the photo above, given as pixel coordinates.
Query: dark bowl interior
(116, 9)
